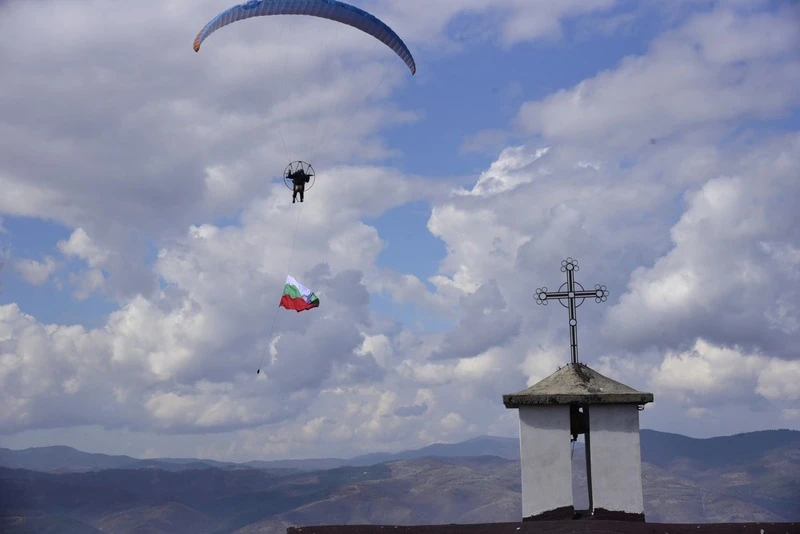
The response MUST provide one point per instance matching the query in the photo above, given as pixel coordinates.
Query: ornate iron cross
(600, 294)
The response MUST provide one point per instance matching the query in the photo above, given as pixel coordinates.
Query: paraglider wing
(328, 9)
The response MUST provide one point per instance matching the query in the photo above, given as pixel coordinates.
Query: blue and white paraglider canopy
(327, 9)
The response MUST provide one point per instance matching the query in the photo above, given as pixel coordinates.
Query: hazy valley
(747, 477)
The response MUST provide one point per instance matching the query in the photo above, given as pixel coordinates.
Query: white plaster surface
(545, 458)
(616, 458)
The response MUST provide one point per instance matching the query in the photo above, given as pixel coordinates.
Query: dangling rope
(316, 147)
(277, 309)
(288, 154)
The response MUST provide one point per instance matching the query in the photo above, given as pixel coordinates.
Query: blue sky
(484, 78)
(52, 302)
(487, 79)
(168, 240)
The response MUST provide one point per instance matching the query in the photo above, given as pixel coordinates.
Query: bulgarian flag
(297, 297)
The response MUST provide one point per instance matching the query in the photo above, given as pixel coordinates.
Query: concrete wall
(545, 458)
(616, 460)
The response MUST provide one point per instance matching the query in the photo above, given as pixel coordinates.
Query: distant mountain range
(658, 448)
(66, 459)
(746, 477)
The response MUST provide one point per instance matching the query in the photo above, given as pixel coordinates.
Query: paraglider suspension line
(275, 315)
(325, 138)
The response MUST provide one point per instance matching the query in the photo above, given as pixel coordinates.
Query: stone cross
(600, 294)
